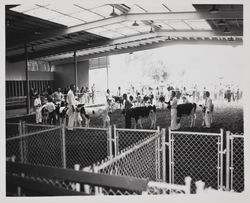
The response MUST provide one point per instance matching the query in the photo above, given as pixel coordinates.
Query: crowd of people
(134, 97)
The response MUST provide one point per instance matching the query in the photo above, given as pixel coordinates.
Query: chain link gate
(139, 160)
(234, 162)
(198, 155)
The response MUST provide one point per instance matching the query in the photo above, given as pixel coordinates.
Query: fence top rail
(8, 123)
(31, 134)
(123, 154)
(136, 130)
(89, 128)
(129, 183)
(40, 125)
(237, 136)
(167, 186)
(194, 133)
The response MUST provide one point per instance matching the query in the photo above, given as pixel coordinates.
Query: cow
(97, 112)
(45, 114)
(162, 100)
(118, 100)
(143, 112)
(187, 109)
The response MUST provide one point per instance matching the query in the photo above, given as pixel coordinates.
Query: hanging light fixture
(221, 22)
(116, 47)
(226, 30)
(135, 24)
(113, 14)
(151, 30)
(214, 9)
(32, 48)
(169, 38)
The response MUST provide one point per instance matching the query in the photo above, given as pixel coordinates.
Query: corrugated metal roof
(114, 28)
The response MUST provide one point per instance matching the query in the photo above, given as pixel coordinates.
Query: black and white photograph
(126, 99)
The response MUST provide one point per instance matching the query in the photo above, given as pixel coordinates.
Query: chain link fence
(235, 162)
(128, 137)
(12, 130)
(162, 188)
(138, 161)
(197, 155)
(38, 148)
(30, 128)
(86, 146)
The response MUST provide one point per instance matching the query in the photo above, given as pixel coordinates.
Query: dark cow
(143, 112)
(45, 115)
(118, 100)
(187, 109)
(147, 98)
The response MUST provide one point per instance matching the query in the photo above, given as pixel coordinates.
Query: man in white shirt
(208, 110)
(71, 104)
(37, 105)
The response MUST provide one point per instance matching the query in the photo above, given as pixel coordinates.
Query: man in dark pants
(127, 106)
(50, 106)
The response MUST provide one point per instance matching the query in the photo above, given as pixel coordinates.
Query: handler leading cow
(177, 111)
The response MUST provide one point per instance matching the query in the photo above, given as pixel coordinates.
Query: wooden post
(63, 147)
(199, 187)
(188, 184)
(87, 188)
(77, 185)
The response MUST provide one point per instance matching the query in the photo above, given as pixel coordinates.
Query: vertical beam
(27, 79)
(107, 77)
(221, 159)
(227, 159)
(75, 66)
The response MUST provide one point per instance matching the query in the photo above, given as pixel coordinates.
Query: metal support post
(63, 148)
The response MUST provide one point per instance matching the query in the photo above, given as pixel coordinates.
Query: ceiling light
(116, 46)
(221, 22)
(226, 30)
(168, 39)
(135, 24)
(214, 9)
(113, 14)
(151, 30)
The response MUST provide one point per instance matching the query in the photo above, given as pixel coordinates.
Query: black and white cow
(102, 112)
(143, 112)
(187, 109)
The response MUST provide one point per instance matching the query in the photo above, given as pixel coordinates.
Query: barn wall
(65, 74)
(16, 71)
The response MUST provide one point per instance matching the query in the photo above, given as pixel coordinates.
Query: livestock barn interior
(57, 45)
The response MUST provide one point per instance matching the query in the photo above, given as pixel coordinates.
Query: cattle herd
(143, 107)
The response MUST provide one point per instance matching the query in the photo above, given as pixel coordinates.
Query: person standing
(208, 110)
(50, 106)
(71, 105)
(127, 106)
(119, 93)
(93, 93)
(173, 103)
(37, 105)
